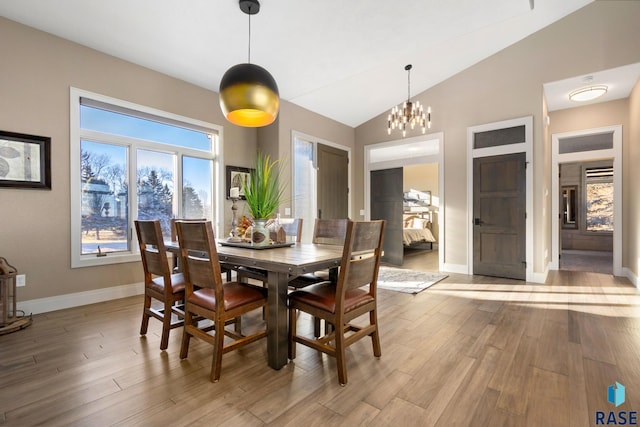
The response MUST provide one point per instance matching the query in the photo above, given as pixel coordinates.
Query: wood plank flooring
(470, 350)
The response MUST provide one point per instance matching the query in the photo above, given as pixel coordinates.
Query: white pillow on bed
(420, 223)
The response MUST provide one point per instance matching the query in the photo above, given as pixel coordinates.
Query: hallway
(588, 261)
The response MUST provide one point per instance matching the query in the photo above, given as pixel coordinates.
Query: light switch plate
(21, 280)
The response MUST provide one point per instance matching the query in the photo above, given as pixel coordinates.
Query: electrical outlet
(287, 211)
(21, 280)
(361, 212)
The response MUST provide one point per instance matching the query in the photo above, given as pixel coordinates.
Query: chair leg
(237, 324)
(375, 336)
(316, 327)
(218, 344)
(166, 325)
(340, 357)
(292, 333)
(145, 315)
(186, 337)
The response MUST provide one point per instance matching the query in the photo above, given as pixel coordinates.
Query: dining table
(282, 263)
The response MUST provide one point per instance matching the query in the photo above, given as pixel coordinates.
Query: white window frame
(77, 134)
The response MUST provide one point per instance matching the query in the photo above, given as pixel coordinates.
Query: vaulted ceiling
(341, 59)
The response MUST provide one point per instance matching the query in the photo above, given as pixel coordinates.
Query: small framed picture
(236, 177)
(25, 161)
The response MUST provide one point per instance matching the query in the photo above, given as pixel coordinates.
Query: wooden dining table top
(295, 260)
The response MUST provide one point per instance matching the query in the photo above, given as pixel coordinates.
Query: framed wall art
(25, 161)
(236, 176)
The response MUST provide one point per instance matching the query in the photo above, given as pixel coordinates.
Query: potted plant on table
(263, 193)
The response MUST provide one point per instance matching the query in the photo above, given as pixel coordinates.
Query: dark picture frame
(25, 161)
(235, 176)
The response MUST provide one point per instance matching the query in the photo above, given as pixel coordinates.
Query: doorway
(501, 140)
(590, 147)
(321, 174)
(499, 232)
(408, 153)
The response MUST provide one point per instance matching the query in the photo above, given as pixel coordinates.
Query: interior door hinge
(524, 263)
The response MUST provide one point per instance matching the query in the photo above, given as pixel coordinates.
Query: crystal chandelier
(409, 113)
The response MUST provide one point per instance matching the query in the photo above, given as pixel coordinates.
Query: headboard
(412, 220)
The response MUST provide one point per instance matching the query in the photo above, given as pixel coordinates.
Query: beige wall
(509, 85)
(34, 88)
(34, 99)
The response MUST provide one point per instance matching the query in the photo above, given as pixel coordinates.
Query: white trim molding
(631, 276)
(614, 153)
(408, 159)
(526, 147)
(60, 302)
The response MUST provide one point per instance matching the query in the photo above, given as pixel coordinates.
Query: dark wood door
(499, 230)
(333, 182)
(386, 203)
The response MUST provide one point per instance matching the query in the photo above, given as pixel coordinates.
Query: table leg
(277, 319)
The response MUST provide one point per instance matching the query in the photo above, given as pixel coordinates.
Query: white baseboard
(631, 276)
(45, 305)
(464, 269)
(535, 277)
(455, 268)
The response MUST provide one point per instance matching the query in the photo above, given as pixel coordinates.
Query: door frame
(315, 140)
(526, 147)
(410, 159)
(614, 153)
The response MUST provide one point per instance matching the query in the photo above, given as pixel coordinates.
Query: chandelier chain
(409, 85)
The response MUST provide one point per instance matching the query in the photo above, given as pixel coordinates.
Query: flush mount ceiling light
(248, 93)
(409, 113)
(588, 93)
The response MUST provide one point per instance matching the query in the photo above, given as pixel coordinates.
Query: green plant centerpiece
(263, 193)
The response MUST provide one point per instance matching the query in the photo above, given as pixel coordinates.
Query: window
(128, 162)
(599, 198)
(304, 185)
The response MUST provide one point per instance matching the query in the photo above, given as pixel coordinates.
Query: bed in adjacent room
(416, 231)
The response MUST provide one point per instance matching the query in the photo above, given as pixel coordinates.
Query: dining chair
(159, 281)
(206, 296)
(329, 231)
(325, 231)
(341, 302)
(174, 237)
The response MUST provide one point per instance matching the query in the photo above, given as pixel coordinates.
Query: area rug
(408, 281)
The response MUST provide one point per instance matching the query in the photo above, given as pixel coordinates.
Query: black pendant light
(248, 93)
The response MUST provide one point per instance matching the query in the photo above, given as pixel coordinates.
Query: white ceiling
(619, 82)
(342, 59)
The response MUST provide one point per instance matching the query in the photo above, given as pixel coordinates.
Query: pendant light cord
(409, 85)
(249, 58)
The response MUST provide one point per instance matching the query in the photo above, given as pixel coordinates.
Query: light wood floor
(470, 350)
